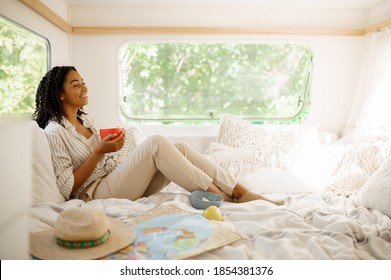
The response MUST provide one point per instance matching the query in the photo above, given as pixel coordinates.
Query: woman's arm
(84, 171)
(81, 174)
(73, 164)
(62, 162)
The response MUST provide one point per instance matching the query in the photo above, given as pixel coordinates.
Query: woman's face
(74, 93)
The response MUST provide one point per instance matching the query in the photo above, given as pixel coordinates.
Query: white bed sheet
(317, 225)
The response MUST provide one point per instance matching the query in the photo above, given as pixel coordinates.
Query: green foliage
(23, 62)
(199, 82)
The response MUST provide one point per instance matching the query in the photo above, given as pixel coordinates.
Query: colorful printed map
(167, 237)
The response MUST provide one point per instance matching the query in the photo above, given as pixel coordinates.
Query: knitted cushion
(376, 192)
(359, 162)
(133, 137)
(279, 147)
(234, 161)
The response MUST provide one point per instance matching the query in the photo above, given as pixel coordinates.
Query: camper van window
(195, 83)
(24, 57)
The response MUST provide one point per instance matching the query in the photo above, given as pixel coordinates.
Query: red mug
(116, 131)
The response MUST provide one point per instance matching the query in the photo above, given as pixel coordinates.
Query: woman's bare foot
(250, 196)
(241, 194)
(244, 195)
(279, 202)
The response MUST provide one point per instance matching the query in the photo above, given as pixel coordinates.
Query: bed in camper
(336, 196)
(336, 187)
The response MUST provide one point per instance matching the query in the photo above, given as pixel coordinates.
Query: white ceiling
(332, 4)
(342, 14)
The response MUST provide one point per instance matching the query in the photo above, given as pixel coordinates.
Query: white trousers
(154, 164)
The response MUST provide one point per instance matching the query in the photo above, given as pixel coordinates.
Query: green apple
(212, 213)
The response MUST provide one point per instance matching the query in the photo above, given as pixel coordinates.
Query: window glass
(24, 58)
(194, 83)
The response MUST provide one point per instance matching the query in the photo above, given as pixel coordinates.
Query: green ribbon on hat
(83, 244)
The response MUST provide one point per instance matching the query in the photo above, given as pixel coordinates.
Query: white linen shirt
(70, 150)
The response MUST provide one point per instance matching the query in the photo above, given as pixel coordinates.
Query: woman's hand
(111, 143)
(106, 145)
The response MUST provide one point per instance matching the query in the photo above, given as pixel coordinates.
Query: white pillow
(133, 138)
(273, 180)
(376, 192)
(234, 161)
(319, 166)
(43, 179)
(359, 162)
(279, 147)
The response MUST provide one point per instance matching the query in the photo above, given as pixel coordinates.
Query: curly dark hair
(47, 101)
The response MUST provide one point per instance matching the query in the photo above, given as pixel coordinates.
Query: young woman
(88, 168)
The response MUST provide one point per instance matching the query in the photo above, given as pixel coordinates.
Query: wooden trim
(378, 26)
(211, 30)
(47, 13)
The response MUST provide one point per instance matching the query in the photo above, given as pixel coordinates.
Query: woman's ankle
(214, 189)
(238, 191)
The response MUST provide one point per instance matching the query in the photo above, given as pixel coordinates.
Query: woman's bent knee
(181, 147)
(157, 139)
(160, 142)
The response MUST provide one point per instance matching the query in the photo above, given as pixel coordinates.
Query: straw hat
(81, 233)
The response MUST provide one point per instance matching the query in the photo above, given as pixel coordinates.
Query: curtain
(371, 109)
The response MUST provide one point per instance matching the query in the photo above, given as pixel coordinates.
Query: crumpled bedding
(317, 225)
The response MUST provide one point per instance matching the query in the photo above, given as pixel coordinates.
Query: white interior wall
(380, 12)
(15, 199)
(336, 59)
(57, 6)
(335, 72)
(208, 16)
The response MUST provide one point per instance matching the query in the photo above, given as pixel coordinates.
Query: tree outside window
(194, 83)
(24, 59)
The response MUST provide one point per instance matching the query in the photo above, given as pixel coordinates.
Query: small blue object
(202, 200)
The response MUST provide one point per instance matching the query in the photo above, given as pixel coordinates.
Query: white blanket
(309, 226)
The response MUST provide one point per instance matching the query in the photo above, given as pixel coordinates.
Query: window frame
(44, 40)
(298, 118)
